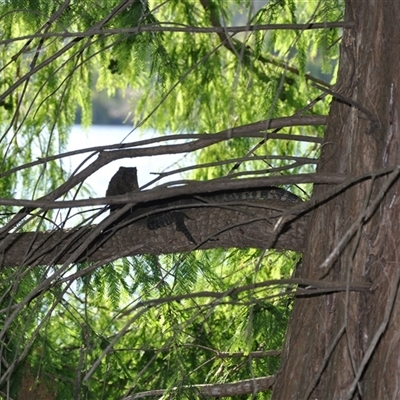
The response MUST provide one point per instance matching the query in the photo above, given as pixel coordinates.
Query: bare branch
(184, 188)
(161, 27)
(246, 386)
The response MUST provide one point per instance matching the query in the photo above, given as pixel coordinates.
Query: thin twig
(161, 27)
(195, 187)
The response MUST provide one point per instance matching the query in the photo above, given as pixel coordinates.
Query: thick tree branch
(213, 226)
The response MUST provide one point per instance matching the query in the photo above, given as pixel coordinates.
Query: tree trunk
(346, 346)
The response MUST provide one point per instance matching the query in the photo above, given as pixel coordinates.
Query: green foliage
(153, 322)
(211, 75)
(191, 338)
(40, 92)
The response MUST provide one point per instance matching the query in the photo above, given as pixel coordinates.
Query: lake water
(100, 135)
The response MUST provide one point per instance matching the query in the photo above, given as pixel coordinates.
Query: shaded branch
(214, 226)
(309, 287)
(246, 386)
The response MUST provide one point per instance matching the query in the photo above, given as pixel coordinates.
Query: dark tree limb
(213, 226)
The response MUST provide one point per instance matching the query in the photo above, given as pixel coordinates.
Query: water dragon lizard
(163, 213)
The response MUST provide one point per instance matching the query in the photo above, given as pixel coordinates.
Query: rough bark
(347, 346)
(215, 227)
(235, 224)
